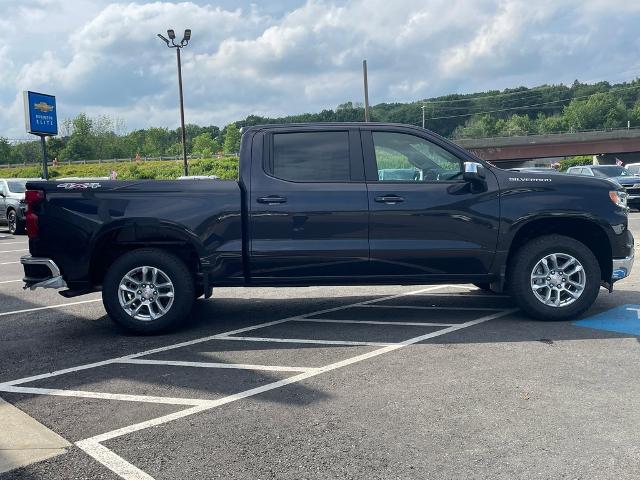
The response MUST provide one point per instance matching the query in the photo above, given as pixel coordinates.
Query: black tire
(172, 267)
(526, 258)
(16, 226)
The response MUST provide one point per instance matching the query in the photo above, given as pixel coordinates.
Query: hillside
(515, 111)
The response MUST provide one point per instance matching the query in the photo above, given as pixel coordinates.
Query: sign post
(41, 119)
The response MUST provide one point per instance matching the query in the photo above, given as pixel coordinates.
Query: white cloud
(104, 57)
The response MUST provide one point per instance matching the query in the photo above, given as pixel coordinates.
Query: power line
(524, 107)
(469, 98)
(497, 95)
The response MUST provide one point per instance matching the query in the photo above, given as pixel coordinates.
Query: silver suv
(12, 206)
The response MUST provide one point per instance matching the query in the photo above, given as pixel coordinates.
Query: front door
(425, 220)
(308, 206)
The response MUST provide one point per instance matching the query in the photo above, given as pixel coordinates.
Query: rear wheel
(148, 291)
(554, 277)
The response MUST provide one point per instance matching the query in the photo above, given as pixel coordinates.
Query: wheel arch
(117, 240)
(585, 230)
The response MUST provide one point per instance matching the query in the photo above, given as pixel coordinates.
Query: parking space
(335, 382)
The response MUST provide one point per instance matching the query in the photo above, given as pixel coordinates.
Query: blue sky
(282, 57)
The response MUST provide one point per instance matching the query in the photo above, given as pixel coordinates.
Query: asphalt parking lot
(331, 382)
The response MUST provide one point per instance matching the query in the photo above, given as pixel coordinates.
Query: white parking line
(26, 310)
(8, 263)
(105, 396)
(13, 251)
(220, 336)
(374, 322)
(124, 469)
(26, 244)
(420, 307)
(239, 366)
(306, 340)
(10, 281)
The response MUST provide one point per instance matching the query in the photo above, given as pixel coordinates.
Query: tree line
(103, 138)
(514, 111)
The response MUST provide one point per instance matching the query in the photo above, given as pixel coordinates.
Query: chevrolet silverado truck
(330, 204)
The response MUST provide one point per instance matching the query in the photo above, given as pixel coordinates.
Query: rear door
(308, 212)
(425, 220)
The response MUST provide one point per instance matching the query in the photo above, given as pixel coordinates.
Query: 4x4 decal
(78, 186)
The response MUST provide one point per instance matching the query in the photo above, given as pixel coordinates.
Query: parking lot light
(178, 46)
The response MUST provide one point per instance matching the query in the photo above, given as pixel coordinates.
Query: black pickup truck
(330, 204)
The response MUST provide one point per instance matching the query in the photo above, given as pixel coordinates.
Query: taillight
(33, 198)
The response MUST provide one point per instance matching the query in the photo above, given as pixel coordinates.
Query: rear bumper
(41, 272)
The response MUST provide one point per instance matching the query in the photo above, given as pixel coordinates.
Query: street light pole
(184, 133)
(423, 109)
(179, 46)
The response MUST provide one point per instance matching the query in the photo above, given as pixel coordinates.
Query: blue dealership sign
(40, 113)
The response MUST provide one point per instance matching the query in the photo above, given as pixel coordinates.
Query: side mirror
(474, 172)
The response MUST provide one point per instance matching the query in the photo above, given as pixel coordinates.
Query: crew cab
(330, 204)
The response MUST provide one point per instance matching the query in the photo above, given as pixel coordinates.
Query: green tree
(598, 111)
(477, 127)
(552, 124)
(81, 144)
(231, 139)
(516, 125)
(156, 142)
(205, 144)
(5, 150)
(55, 145)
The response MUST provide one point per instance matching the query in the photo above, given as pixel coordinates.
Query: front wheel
(148, 291)
(554, 277)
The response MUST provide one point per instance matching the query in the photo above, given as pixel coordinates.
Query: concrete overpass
(554, 145)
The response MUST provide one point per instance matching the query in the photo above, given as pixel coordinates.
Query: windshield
(610, 171)
(634, 169)
(16, 186)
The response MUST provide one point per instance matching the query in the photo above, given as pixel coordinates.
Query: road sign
(40, 113)
(623, 319)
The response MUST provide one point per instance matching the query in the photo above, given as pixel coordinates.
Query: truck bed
(198, 218)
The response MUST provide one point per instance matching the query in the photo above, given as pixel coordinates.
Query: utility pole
(178, 47)
(423, 109)
(366, 91)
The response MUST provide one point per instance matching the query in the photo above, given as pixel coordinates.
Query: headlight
(619, 198)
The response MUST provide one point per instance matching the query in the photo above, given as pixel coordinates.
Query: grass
(226, 168)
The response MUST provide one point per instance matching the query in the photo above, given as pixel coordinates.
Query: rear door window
(310, 156)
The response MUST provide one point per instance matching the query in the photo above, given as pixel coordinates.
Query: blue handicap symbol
(623, 319)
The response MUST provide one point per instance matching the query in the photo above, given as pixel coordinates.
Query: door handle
(272, 199)
(390, 199)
